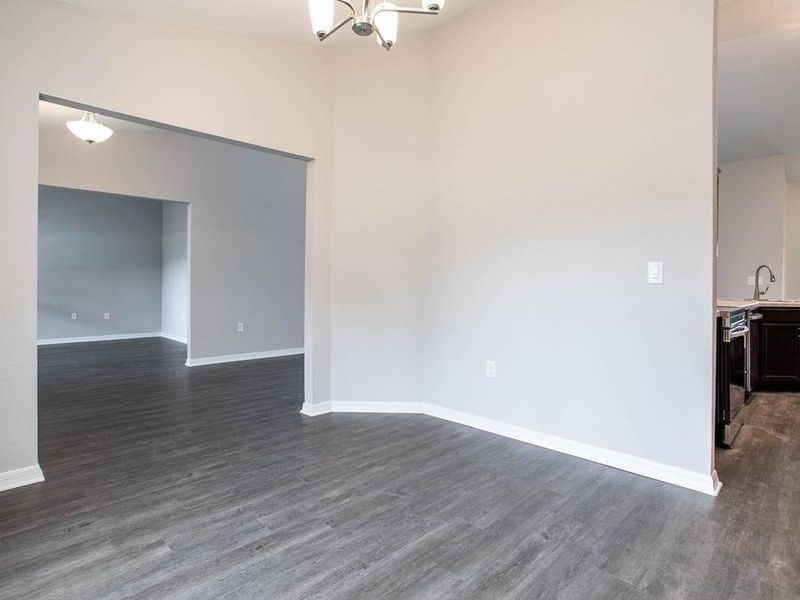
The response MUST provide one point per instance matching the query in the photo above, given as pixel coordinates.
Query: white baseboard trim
(619, 460)
(716, 484)
(380, 407)
(315, 410)
(98, 338)
(19, 477)
(707, 484)
(215, 360)
(174, 338)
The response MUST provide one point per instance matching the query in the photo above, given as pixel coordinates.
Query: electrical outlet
(751, 280)
(74, 316)
(240, 327)
(107, 316)
(491, 369)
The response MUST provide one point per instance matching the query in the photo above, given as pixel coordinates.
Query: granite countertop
(738, 303)
(728, 304)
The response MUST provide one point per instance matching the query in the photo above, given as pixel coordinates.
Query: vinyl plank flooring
(169, 482)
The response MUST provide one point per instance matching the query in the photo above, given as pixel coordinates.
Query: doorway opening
(111, 267)
(757, 252)
(169, 262)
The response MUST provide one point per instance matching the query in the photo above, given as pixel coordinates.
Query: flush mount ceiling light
(382, 19)
(89, 130)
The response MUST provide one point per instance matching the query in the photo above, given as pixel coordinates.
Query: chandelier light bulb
(89, 130)
(386, 21)
(321, 12)
(365, 19)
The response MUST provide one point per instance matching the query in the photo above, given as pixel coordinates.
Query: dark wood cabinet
(755, 351)
(779, 349)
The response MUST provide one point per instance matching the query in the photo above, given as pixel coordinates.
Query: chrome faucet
(758, 293)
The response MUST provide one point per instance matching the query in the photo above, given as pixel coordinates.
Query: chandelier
(89, 130)
(382, 19)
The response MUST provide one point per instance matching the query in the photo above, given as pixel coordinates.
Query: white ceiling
(759, 78)
(282, 19)
(759, 95)
(54, 115)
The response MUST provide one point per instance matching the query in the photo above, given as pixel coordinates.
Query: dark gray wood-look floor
(168, 482)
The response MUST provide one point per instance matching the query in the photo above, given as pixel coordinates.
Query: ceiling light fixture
(382, 19)
(89, 130)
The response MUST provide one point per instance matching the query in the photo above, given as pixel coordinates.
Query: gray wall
(752, 222)
(792, 241)
(247, 226)
(380, 230)
(175, 270)
(598, 159)
(98, 253)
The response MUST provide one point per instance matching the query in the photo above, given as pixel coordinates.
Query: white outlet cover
(106, 316)
(751, 280)
(74, 316)
(240, 327)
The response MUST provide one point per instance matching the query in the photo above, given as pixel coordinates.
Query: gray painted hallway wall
(98, 253)
(247, 228)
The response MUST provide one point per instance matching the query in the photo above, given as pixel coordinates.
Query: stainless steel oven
(733, 379)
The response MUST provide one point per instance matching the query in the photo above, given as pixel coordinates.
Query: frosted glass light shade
(433, 4)
(321, 12)
(387, 23)
(89, 130)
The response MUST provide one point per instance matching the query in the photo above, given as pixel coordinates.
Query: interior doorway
(169, 261)
(757, 251)
(111, 267)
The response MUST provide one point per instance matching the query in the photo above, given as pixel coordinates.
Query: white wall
(247, 226)
(752, 204)
(380, 221)
(792, 241)
(572, 144)
(175, 270)
(98, 253)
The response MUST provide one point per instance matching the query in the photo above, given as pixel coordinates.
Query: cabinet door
(779, 356)
(755, 354)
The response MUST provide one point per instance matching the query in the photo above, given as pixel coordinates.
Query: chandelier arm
(405, 9)
(348, 5)
(386, 46)
(336, 27)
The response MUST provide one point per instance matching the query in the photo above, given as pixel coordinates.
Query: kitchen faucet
(758, 293)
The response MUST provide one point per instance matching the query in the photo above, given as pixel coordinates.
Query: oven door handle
(733, 334)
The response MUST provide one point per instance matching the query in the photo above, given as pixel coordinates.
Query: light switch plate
(655, 272)
(491, 369)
